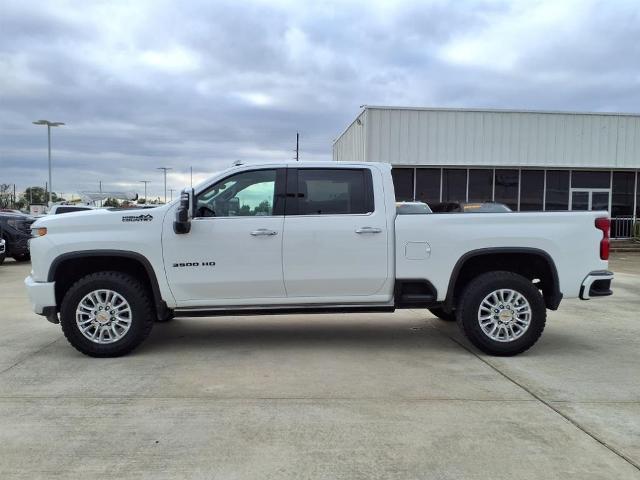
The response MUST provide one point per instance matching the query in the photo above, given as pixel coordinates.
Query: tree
(39, 195)
(263, 207)
(6, 195)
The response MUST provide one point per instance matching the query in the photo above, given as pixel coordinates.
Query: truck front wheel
(106, 314)
(502, 313)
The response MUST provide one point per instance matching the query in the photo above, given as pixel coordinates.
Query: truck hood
(100, 218)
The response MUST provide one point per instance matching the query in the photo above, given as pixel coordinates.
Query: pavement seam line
(613, 450)
(252, 399)
(28, 356)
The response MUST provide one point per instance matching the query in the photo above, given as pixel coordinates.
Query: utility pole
(49, 125)
(145, 189)
(297, 146)
(191, 169)
(171, 190)
(164, 169)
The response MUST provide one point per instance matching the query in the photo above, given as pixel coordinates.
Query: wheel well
(68, 271)
(535, 266)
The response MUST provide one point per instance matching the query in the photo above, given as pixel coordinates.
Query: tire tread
(109, 350)
(466, 318)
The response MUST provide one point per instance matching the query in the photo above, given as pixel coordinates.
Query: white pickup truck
(305, 238)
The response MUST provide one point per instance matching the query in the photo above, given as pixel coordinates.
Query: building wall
(351, 145)
(405, 136)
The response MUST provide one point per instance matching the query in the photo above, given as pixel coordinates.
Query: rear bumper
(41, 295)
(596, 284)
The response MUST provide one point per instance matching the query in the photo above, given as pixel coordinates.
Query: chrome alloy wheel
(103, 316)
(504, 315)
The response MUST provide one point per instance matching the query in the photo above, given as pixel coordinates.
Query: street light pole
(49, 125)
(164, 169)
(145, 189)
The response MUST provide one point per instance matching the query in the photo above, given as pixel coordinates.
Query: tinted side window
(70, 209)
(334, 191)
(245, 194)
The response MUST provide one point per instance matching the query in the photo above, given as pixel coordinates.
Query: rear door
(335, 234)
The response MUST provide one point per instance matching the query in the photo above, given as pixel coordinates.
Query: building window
(403, 184)
(531, 190)
(428, 185)
(622, 195)
(557, 190)
(480, 185)
(590, 179)
(454, 185)
(507, 188)
(637, 194)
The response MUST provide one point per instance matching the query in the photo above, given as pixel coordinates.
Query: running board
(280, 310)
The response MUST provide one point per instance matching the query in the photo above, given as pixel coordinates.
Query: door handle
(263, 232)
(369, 230)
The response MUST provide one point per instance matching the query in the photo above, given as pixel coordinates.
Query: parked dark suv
(15, 229)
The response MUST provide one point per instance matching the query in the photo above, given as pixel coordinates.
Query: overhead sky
(149, 83)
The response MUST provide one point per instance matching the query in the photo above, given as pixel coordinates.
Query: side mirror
(182, 224)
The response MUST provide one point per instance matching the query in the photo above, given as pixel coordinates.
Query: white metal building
(530, 160)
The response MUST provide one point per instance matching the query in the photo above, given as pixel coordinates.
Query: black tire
(142, 313)
(474, 294)
(2, 258)
(23, 257)
(443, 315)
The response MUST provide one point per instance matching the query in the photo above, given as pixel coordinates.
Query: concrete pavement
(398, 395)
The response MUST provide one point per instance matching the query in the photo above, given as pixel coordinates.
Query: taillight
(604, 224)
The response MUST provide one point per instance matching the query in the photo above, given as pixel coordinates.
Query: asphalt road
(357, 396)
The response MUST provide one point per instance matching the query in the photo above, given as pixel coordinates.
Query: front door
(588, 199)
(233, 253)
(336, 235)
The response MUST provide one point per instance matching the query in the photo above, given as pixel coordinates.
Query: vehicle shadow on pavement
(553, 342)
(10, 263)
(314, 332)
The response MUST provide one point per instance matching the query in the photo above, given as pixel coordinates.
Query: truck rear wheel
(443, 314)
(106, 314)
(502, 313)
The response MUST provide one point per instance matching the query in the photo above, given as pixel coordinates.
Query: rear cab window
(330, 191)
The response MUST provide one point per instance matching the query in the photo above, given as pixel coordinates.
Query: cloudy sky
(202, 83)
